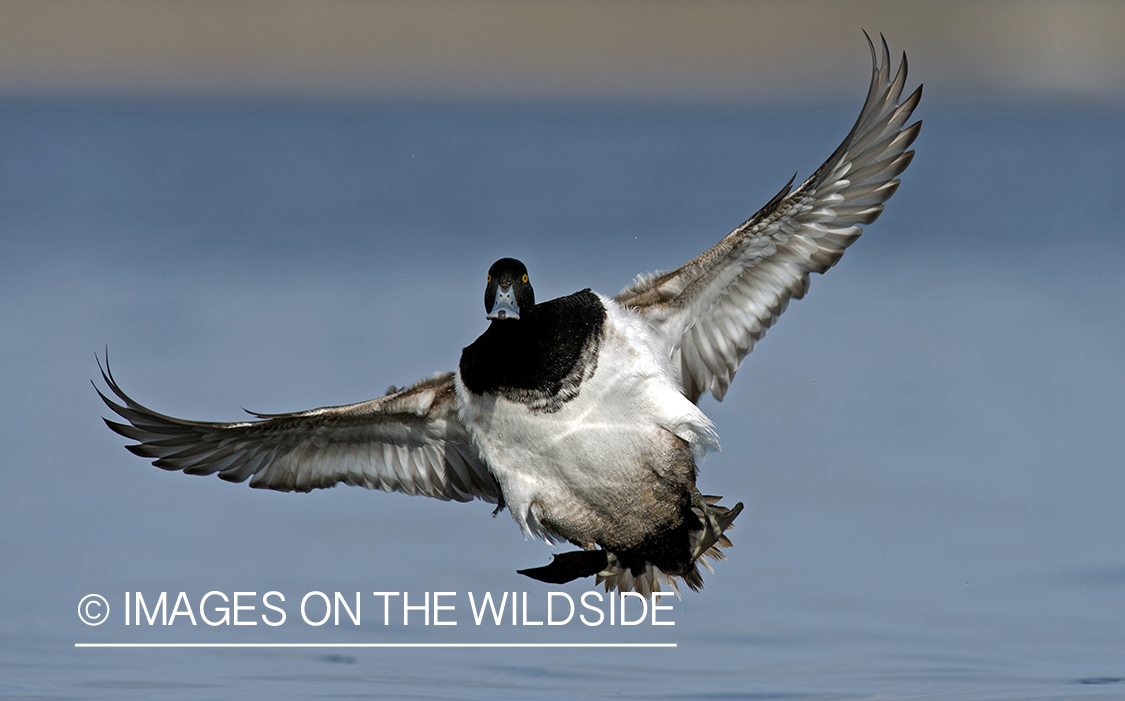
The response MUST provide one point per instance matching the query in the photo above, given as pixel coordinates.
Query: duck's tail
(656, 566)
(629, 571)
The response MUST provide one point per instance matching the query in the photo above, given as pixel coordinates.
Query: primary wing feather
(409, 441)
(712, 310)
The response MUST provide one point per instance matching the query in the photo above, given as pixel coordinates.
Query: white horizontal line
(378, 645)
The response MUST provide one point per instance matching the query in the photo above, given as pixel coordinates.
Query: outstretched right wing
(409, 441)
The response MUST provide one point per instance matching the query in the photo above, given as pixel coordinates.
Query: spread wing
(409, 441)
(712, 310)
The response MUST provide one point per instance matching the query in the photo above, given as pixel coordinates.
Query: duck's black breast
(542, 359)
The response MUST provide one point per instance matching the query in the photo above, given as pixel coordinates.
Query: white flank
(596, 442)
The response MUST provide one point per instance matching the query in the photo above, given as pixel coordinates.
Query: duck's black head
(508, 294)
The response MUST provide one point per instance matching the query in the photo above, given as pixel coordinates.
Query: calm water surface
(928, 446)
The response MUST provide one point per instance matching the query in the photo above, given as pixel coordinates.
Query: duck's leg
(716, 519)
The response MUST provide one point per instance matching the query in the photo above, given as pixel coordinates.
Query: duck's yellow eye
(525, 277)
(489, 278)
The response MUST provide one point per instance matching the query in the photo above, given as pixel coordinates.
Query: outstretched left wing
(711, 311)
(410, 441)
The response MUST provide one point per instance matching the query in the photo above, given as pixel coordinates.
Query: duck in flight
(579, 414)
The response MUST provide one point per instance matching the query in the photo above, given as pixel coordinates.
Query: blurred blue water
(929, 445)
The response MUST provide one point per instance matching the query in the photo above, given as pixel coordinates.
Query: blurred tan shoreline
(706, 51)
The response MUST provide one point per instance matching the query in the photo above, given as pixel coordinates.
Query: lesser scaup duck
(579, 414)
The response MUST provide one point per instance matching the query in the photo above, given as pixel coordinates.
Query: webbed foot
(716, 519)
(566, 567)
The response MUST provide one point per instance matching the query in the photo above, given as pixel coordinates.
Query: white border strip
(371, 645)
